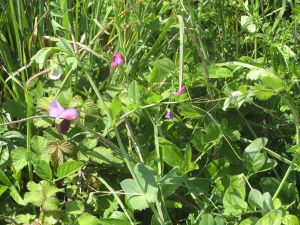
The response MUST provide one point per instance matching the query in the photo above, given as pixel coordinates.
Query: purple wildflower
(169, 114)
(57, 111)
(180, 91)
(118, 60)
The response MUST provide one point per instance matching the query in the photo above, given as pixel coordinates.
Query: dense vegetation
(149, 112)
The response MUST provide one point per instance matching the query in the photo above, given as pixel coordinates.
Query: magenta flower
(180, 91)
(169, 114)
(57, 111)
(118, 60)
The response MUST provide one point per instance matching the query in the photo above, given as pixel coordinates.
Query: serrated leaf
(39, 144)
(87, 219)
(68, 168)
(74, 207)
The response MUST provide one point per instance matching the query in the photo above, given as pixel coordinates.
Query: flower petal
(118, 60)
(169, 114)
(180, 91)
(55, 109)
(69, 114)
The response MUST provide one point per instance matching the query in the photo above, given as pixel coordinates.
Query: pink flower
(57, 111)
(180, 91)
(118, 60)
(169, 114)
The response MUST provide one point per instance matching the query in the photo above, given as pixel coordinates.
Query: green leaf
(112, 221)
(68, 168)
(249, 221)
(253, 159)
(207, 219)
(15, 109)
(255, 198)
(197, 186)
(25, 218)
(233, 199)
(87, 219)
(258, 73)
(43, 170)
(247, 23)
(273, 217)
(116, 107)
(65, 97)
(142, 191)
(134, 92)
(170, 153)
(16, 196)
(38, 143)
(4, 179)
(221, 73)
(3, 189)
(290, 220)
(188, 111)
(19, 158)
(65, 45)
(273, 83)
(161, 68)
(74, 207)
(42, 55)
(103, 155)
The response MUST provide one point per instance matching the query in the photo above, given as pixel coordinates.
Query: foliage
(228, 71)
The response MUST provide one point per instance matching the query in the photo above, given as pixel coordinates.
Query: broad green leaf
(65, 45)
(25, 218)
(74, 207)
(212, 132)
(4, 179)
(42, 55)
(170, 153)
(43, 170)
(207, 219)
(221, 73)
(39, 143)
(161, 68)
(68, 168)
(273, 83)
(197, 186)
(111, 221)
(249, 221)
(142, 191)
(198, 140)
(134, 92)
(258, 73)
(15, 109)
(253, 159)
(170, 182)
(290, 220)
(65, 97)
(16, 196)
(190, 112)
(116, 107)
(87, 219)
(19, 158)
(255, 198)
(271, 218)
(234, 196)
